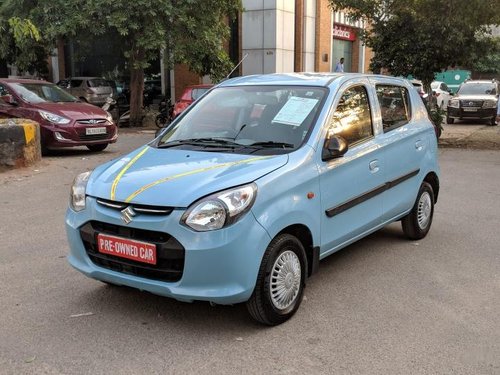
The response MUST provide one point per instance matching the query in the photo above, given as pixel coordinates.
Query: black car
(475, 100)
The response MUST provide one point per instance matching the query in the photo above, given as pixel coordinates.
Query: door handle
(419, 145)
(374, 167)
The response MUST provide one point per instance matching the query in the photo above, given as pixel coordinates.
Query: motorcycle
(166, 114)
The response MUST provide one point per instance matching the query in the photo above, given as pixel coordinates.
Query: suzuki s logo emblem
(128, 214)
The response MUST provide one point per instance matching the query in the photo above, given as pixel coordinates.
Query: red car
(190, 94)
(64, 120)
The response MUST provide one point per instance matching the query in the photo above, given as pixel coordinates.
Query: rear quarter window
(394, 104)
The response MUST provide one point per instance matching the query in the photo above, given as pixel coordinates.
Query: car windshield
(247, 119)
(42, 92)
(477, 89)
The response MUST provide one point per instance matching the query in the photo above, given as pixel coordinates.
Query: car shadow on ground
(161, 313)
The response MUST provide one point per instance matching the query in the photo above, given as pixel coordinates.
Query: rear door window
(394, 106)
(97, 82)
(76, 82)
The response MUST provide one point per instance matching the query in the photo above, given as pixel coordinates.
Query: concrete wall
(19, 143)
(268, 29)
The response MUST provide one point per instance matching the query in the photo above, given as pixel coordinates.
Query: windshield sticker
(295, 111)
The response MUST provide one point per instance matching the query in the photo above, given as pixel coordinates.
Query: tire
(449, 120)
(417, 223)
(492, 121)
(97, 148)
(161, 121)
(285, 255)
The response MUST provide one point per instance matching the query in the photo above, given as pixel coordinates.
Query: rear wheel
(417, 223)
(97, 148)
(280, 282)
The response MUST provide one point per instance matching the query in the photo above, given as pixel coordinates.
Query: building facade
(299, 35)
(269, 36)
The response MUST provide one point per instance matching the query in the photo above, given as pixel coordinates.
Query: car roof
(82, 78)
(23, 80)
(476, 81)
(299, 79)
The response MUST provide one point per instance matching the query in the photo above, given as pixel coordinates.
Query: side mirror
(335, 147)
(9, 99)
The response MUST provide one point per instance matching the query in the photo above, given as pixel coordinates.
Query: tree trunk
(136, 93)
(4, 70)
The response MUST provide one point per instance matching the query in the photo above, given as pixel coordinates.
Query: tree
(20, 42)
(421, 37)
(489, 64)
(192, 31)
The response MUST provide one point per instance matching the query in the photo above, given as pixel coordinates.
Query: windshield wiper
(207, 142)
(272, 144)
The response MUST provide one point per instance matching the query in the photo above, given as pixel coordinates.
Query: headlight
(109, 117)
(77, 199)
(454, 103)
(489, 104)
(221, 209)
(55, 119)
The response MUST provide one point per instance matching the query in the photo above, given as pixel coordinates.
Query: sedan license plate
(124, 248)
(470, 109)
(94, 131)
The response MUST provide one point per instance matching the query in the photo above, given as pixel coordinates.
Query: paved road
(384, 305)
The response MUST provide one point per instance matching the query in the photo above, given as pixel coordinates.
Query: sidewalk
(473, 136)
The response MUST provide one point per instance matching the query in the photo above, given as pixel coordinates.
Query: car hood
(176, 178)
(74, 111)
(475, 97)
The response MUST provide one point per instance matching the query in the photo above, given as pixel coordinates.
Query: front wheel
(161, 121)
(280, 282)
(417, 223)
(97, 148)
(492, 121)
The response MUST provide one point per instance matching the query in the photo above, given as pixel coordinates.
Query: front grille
(169, 252)
(471, 103)
(92, 121)
(138, 208)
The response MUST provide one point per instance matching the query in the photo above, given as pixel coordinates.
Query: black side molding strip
(368, 195)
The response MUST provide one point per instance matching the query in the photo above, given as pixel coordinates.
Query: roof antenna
(237, 65)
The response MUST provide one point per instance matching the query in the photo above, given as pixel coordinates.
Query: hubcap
(424, 210)
(285, 280)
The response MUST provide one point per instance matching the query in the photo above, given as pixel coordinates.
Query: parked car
(419, 87)
(240, 197)
(93, 90)
(442, 93)
(64, 120)
(189, 95)
(475, 100)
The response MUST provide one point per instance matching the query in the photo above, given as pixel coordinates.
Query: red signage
(344, 33)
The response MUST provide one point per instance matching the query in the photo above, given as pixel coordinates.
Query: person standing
(339, 68)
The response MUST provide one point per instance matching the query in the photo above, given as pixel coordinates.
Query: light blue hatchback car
(241, 196)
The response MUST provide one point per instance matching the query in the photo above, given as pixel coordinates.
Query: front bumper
(219, 266)
(75, 135)
(473, 114)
